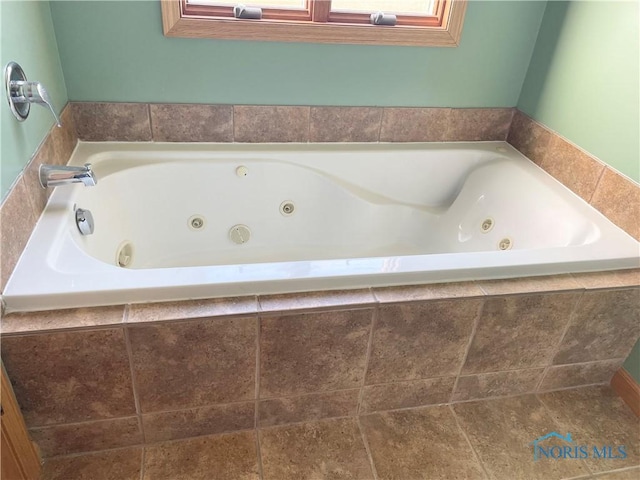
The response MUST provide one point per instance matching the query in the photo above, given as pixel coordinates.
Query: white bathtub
(364, 215)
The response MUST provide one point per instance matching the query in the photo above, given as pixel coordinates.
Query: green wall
(27, 35)
(115, 51)
(584, 76)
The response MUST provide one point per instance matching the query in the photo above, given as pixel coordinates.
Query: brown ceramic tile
(344, 124)
(262, 124)
(627, 474)
(191, 123)
(618, 198)
(414, 393)
(613, 279)
(329, 449)
(499, 384)
(122, 122)
(414, 124)
(313, 352)
(423, 443)
(529, 285)
(231, 456)
(564, 376)
(529, 137)
(575, 169)
(70, 377)
(17, 219)
(87, 436)
(122, 464)
(62, 319)
(604, 325)
(214, 307)
(421, 340)
(479, 124)
(501, 432)
(306, 408)
(196, 422)
(436, 291)
(597, 416)
(519, 332)
(181, 365)
(311, 300)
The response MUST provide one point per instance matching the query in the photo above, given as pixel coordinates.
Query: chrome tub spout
(54, 176)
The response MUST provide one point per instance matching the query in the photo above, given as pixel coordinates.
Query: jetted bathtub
(179, 221)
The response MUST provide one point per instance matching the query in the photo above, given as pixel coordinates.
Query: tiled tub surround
(104, 378)
(611, 193)
(100, 394)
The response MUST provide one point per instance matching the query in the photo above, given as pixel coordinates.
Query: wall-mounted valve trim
(22, 93)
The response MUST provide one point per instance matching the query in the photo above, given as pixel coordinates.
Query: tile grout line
(136, 400)
(259, 454)
(595, 188)
(143, 457)
(257, 383)
(466, 437)
(556, 349)
(367, 449)
(382, 109)
(374, 318)
(474, 329)
(256, 417)
(556, 422)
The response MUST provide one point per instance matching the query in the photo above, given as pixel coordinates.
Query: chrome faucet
(54, 176)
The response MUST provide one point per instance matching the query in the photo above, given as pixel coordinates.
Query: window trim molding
(175, 24)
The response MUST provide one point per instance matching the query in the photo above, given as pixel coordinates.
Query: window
(405, 22)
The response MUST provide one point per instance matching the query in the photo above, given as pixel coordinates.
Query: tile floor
(487, 439)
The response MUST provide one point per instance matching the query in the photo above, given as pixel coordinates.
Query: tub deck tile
(316, 300)
(191, 309)
(51, 320)
(613, 279)
(547, 283)
(436, 291)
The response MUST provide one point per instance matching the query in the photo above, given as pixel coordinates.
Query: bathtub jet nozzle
(54, 176)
